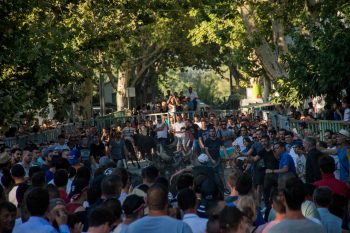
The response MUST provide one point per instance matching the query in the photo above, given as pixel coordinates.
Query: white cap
(203, 158)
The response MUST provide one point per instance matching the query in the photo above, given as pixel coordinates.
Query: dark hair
(53, 191)
(111, 185)
(309, 189)
(163, 181)
(114, 205)
(294, 193)
(60, 178)
(6, 205)
(230, 218)
(277, 203)
(150, 173)
(280, 144)
(83, 172)
(157, 197)
(37, 201)
(323, 196)
(184, 181)
(33, 170)
(62, 163)
(327, 164)
(38, 179)
(244, 184)
(265, 136)
(101, 216)
(186, 199)
(322, 144)
(213, 224)
(123, 174)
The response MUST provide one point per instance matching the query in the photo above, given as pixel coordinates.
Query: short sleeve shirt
(214, 147)
(287, 160)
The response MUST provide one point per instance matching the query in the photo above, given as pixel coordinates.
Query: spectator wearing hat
(74, 158)
(327, 166)
(8, 212)
(78, 195)
(343, 152)
(187, 202)
(17, 192)
(133, 209)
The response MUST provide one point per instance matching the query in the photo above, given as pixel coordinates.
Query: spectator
(17, 192)
(232, 220)
(133, 208)
(157, 219)
(37, 202)
(61, 179)
(8, 213)
(327, 166)
(323, 198)
(149, 175)
(293, 196)
(312, 166)
(187, 203)
(101, 220)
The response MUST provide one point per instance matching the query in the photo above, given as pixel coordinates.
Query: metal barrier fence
(40, 137)
(305, 127)
(109, 120)
(102, 122)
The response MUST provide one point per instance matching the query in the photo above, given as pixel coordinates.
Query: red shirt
(335, 185)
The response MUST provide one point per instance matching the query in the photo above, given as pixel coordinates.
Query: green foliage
(210, 87)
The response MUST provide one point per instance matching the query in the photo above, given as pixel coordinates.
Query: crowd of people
(247, 177)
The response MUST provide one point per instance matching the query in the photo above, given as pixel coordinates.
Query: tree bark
(267, 88)
(268, 57)
(123, 78)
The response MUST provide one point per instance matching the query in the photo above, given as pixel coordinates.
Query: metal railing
(312, 127)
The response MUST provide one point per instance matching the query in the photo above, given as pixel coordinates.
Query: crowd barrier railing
(109, 120)
(40, 137)
(304, 128)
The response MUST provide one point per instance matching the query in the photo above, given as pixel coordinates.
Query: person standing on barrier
(193, 97)
(117, 150)
(179, 132)
(162, 131)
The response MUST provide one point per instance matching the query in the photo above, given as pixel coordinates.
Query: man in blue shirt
(37, 202)
(286, 162)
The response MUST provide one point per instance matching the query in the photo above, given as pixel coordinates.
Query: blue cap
(298, 143)
(74, 156)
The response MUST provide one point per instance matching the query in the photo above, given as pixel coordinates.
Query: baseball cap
(203, 158)
(132, 204)
(344, 132)
(73, 156)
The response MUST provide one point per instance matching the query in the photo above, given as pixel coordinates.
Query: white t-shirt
(177, 127)
(337, 164)
(192, 95)
(12, 195)
(197, 224)
(162, 133)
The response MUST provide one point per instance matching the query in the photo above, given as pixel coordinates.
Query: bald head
(157, 197)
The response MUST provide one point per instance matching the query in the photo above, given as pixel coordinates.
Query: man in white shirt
(239, 140)
(186, 200)
(179, 131)
(193, 97)
(162, 131)
(346, 107)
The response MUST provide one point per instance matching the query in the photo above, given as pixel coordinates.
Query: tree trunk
(85, 105)
(268, 57)
(123, 78)
(267, 88)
